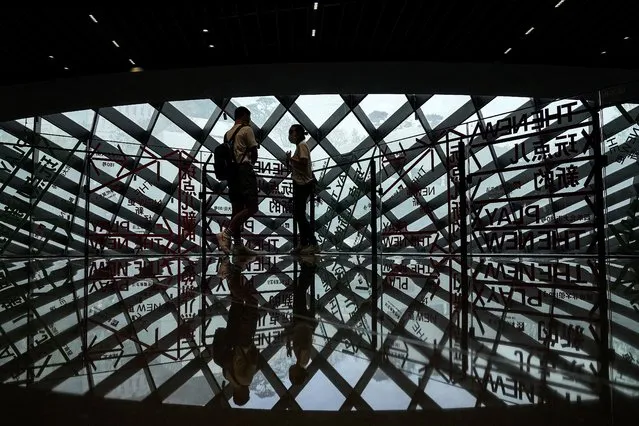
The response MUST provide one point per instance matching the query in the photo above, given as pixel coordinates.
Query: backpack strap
(232, 141)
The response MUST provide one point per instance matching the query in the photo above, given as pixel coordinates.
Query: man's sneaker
(224, 242)
(242, 250)
(310, 249)
(297, 249)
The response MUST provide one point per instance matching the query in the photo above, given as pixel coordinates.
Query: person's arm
(251, 145)
(253, 154)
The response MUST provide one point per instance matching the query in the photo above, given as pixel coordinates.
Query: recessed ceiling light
(66, 68)
(211, 46)
(530, 30)
(131, 60)
(51, 57)
(93, 18)
(115, 43)
(603, 52)
(626, 38)
(508, 50)
(315, 5)
(560, 3)
(313, 33)
(205, 30)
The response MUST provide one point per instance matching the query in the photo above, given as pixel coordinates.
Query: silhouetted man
(242, 182)
(234, 346)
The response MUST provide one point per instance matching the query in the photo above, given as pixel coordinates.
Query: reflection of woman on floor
(234, 346)
(299, 333)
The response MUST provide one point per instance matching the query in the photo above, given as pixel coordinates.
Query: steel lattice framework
(113, 209)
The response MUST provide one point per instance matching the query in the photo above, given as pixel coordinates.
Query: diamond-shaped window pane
(348, 365)
(115, 136)
(379, 107)
(140, 114)
(7, 138)
(261, 107)
(448, 396)
(196, 391)
(57, 135)
(279, 134)
(384, 394)
(174, 137)
(502, 105)
(405, 134)
(198, 111)
(319, 107)
(221, 127)
(83, 118)
(48, 129)
(319, 156)
(331, 398)
(498, 109)
(465, 128)
(348, 135)
(26, 122)
(439, 107)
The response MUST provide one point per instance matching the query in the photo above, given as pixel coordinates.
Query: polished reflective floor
(323, 332)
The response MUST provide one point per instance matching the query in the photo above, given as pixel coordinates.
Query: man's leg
(306, 230)
(248, 190)
(238, 206)
(224, 237)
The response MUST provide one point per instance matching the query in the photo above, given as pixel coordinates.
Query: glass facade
(477, 251)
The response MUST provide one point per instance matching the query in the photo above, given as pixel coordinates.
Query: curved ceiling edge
(287, 79)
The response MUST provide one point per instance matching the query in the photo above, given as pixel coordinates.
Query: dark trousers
(301, 194)
(243, 195)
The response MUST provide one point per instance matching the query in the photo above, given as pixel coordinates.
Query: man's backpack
(220, 346)
(224, 158)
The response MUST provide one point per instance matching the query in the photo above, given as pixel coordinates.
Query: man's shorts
(243, 186)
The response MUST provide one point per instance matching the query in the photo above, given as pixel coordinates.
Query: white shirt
(302, 174)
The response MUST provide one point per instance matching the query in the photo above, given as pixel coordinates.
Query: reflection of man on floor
(234, 346)
(299, 333)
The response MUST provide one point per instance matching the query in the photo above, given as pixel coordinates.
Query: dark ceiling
(38, 43)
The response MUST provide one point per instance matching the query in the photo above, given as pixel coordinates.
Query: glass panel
(331, 399)
(6, 138)
(261, 107)
(279, 134)
(379, 107)
(406, 133)
(83, 118)
(140, 114)
(198, 111)
(440, 107)
(117, 137)
(172, 136)
(383, 394)
(348, 135)
(319, 107)
(57, 136)
(502, 105)
(221, 127)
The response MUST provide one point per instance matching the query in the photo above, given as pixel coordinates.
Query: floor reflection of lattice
(388, 338)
